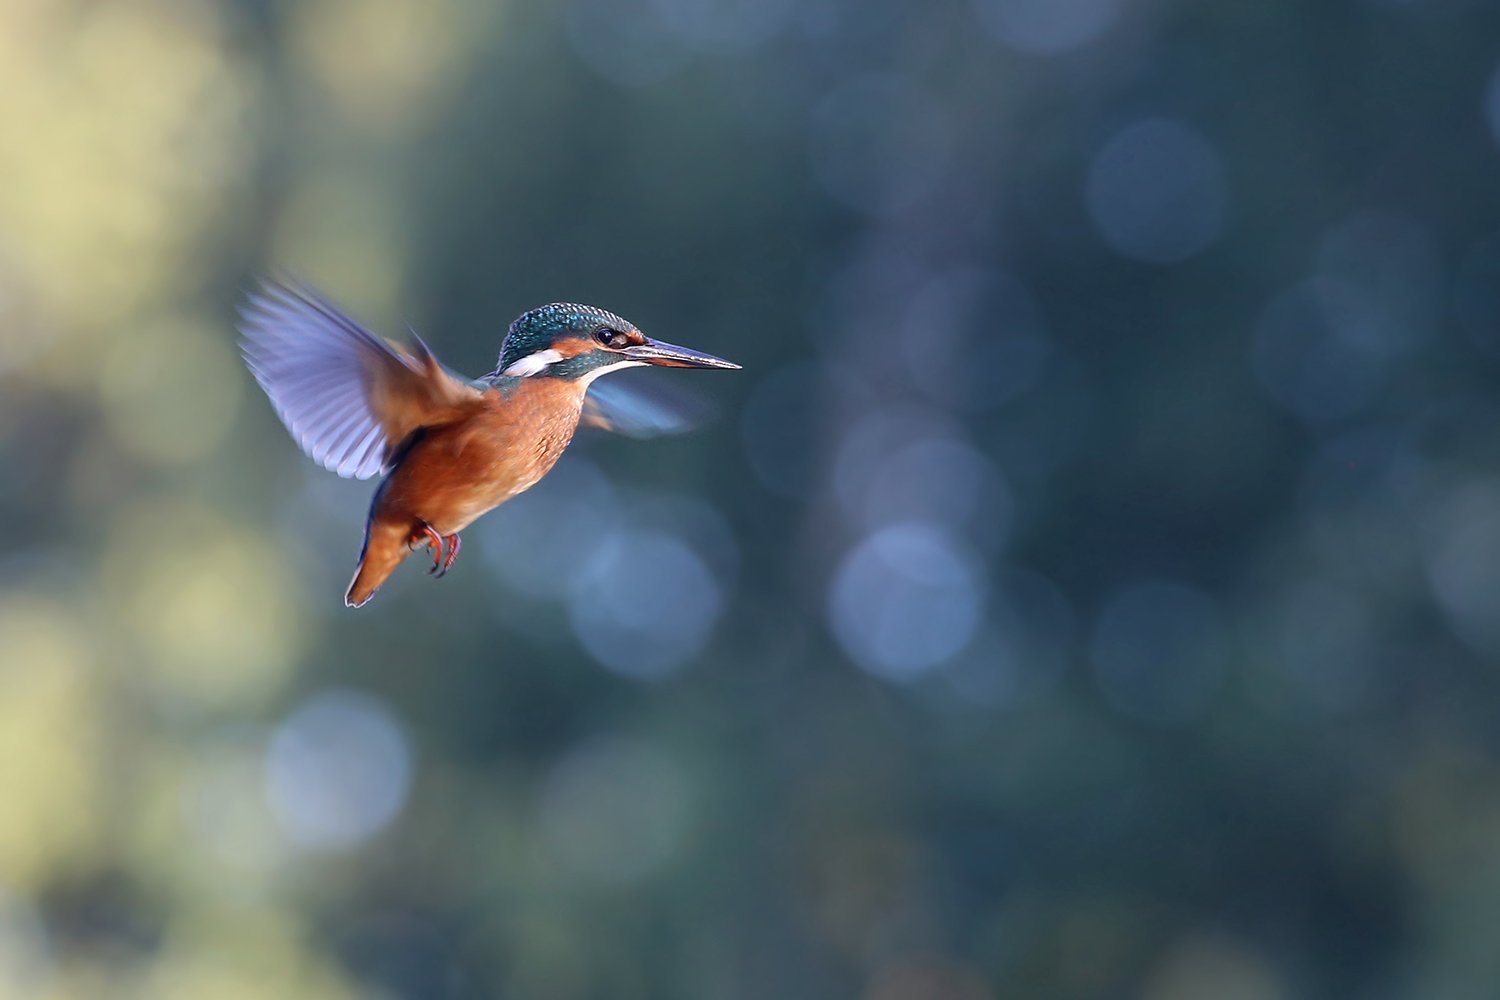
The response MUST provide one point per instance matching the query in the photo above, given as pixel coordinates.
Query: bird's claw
(442, 557)
(427, 533)
(447, 560)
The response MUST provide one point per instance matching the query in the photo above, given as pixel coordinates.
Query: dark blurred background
(1089, 588)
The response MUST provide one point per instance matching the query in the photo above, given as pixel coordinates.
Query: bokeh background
(1089, 588)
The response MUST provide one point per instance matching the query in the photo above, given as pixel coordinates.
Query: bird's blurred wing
(641, 410)
(348, 397)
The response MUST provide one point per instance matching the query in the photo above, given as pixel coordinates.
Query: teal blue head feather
(571, 341)
(565, 340)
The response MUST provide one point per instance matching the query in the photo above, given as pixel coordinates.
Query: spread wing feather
(348, 397)
(641, 410)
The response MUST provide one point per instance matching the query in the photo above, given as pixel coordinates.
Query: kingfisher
(450, 449)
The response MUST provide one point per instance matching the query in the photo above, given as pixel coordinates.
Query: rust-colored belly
(454, 474)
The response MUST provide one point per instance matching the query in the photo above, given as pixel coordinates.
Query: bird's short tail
(385, 548)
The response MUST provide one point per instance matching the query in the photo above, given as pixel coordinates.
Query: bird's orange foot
(427, 533)
(448, 560)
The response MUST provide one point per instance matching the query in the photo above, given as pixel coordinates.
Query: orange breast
(453, 474)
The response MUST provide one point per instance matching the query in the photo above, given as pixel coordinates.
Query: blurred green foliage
(1090, 587)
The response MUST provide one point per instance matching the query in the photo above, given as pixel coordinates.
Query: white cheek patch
(590, 376)
(533, 364)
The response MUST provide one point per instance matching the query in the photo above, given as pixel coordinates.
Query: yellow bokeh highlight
(84, 976)
(214, 616)
(171, 389)
(201, 828)
(240, 955)
(128, 129)
(51, 727)
(342, 231)
(386, 63)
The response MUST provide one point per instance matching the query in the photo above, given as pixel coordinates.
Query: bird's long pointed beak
(654, 352)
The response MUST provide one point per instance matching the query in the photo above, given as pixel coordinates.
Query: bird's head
(570, 341)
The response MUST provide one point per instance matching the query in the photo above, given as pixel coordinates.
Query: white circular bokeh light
(337, 770)
(905, 600)
(1157, 193)
(646, 604)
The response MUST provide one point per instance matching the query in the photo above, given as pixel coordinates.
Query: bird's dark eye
(611, 338)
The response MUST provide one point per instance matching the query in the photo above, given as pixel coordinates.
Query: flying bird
(449, 449)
